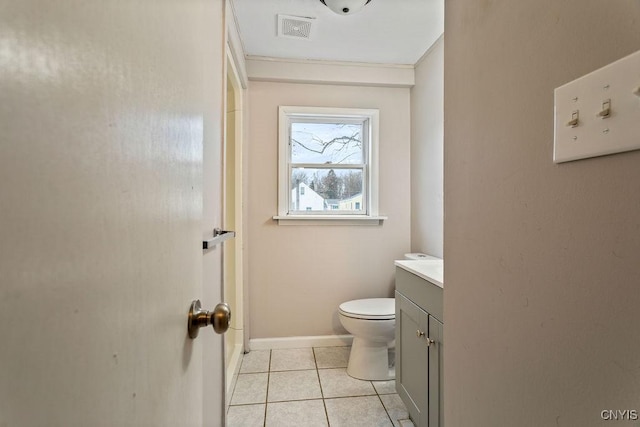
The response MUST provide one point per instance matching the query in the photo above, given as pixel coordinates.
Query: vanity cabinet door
(436, 371)
(412, 353)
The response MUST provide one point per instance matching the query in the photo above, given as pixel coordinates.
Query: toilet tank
(419, 255)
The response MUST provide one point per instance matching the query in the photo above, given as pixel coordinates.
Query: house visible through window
(328, 161)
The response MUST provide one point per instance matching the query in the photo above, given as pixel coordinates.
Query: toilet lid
(371, 308)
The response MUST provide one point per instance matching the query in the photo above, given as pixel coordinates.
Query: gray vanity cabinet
(419, 346)
(436, 374)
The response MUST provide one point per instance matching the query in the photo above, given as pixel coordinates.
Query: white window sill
(329, 219)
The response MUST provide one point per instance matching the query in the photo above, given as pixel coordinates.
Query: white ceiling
(385, 31)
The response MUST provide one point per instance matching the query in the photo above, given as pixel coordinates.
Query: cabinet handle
(419, 333)
(429, 341)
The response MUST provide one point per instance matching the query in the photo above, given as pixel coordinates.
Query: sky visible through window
(326, 143)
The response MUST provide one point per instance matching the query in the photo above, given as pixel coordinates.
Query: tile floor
(310, 387)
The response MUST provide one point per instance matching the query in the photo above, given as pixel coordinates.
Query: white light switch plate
(596, 136)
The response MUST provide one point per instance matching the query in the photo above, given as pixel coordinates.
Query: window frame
(363, 166)
(370, 167)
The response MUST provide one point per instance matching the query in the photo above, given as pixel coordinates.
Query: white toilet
(372, 324)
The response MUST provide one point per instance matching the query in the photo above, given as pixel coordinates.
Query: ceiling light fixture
(345, 7)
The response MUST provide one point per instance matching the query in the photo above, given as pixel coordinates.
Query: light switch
(575, 119)
(608, 102)
(605, 111)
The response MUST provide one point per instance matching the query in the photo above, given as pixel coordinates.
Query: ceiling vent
(295, 27)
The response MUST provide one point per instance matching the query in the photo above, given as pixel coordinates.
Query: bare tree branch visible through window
(344, 141)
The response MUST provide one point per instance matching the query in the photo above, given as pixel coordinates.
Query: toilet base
(369, 360)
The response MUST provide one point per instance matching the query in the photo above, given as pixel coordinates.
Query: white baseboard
(300, 342)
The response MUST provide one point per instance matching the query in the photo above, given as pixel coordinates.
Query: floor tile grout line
(244, 355)
(295, 370)
(324, 405)
(266, 396)
(370, 395)
(246, 404)
(285, 401)
(235, 384)
(349, 397)
(386, 410)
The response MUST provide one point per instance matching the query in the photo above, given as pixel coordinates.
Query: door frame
(233, 77)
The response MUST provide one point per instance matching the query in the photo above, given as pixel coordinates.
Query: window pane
(326, 143)
(326, 190)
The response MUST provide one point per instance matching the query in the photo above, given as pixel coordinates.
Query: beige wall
(427, 132)
(300, 274)
(542, 272)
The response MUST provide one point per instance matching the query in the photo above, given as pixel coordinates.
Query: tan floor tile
(255, 361)
(385, 387)
(336, 383)
(250, 388)
(293, 385)
(292, 359)
(357, 411)
(332, 357)
(246, 416)
(395, 407)
(303, 413)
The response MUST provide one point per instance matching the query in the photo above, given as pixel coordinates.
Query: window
(328, 164)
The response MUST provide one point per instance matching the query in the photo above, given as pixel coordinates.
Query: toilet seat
(369, 309)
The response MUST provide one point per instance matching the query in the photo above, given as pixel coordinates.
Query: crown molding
(260, 68)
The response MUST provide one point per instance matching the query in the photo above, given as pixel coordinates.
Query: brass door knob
(220, 318)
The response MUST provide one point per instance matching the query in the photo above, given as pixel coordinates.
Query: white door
(103, 123)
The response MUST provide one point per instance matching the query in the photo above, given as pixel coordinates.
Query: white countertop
(429, 269)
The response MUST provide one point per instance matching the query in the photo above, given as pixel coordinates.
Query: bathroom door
(109, 110)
